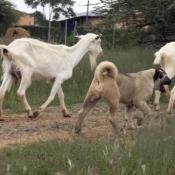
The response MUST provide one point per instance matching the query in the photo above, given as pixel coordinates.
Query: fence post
(65, 33)
(113, 37)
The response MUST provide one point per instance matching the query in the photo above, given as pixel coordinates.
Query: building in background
(80, 19)
(25, 19)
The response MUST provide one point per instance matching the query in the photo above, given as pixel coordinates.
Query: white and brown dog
(132, 89)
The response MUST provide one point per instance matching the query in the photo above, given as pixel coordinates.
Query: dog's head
(160, 78)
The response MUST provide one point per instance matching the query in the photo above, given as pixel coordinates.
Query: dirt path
(18, 129)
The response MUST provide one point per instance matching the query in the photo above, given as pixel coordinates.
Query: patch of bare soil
(18, 129)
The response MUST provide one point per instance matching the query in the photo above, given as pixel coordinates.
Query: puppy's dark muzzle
(165, 81)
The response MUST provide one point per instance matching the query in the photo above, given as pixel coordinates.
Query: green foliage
(8, 15)
(135, 14)
(40, 19)
(57, 7)
(122, 38)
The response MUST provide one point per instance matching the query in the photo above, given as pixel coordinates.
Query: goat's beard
(92, 59)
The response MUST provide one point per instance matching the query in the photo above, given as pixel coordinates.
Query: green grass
(153, 153)
(127, 60)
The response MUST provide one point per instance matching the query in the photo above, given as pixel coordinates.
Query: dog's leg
(91, 99)
(88, 104)
(113, 110)
(112, 97)
(142, 105)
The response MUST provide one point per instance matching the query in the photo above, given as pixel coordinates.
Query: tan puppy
(104, 86)
(131, 89)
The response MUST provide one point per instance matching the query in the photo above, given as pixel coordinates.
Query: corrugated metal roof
(91, 13)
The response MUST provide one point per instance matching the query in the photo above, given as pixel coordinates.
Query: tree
(40, 18)
(56, 8)
(8, 15)
(160, 14)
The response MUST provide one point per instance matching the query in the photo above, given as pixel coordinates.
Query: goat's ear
(79, 36)
(99, 36)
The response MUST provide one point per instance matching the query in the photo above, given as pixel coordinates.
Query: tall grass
(127, 60)
(152, 152)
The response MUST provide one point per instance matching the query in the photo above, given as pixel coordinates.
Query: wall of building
(26, 20)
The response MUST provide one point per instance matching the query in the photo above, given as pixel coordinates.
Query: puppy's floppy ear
(156, 74)
(159, 73)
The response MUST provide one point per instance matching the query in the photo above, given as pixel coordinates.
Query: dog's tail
(106, 69)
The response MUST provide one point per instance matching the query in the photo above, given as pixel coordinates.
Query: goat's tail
(106, 69)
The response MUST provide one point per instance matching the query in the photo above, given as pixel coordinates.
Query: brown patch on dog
(13, 33)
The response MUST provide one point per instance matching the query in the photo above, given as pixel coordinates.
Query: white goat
(165, 57)
(35, 60)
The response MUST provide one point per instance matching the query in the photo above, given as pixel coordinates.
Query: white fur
(169, 50)
(165, 57)
(39, 60)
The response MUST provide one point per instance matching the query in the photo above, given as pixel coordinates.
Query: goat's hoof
(29, 113)
(35, 114)
(31, 116)
(2, 119)
(77, 130)
(156, 107)
(169, 111)
(66, 114)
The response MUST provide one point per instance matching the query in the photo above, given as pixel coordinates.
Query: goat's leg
(167, 90)
(62, 103)
(156, 100)
(54, 90)
(26, 105)
(21, 92)
(6, 84)
(88, 104)
(171, 101)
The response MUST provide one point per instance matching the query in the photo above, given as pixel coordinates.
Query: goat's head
(94, 49)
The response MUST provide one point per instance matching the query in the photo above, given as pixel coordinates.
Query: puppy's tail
(106, 69)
